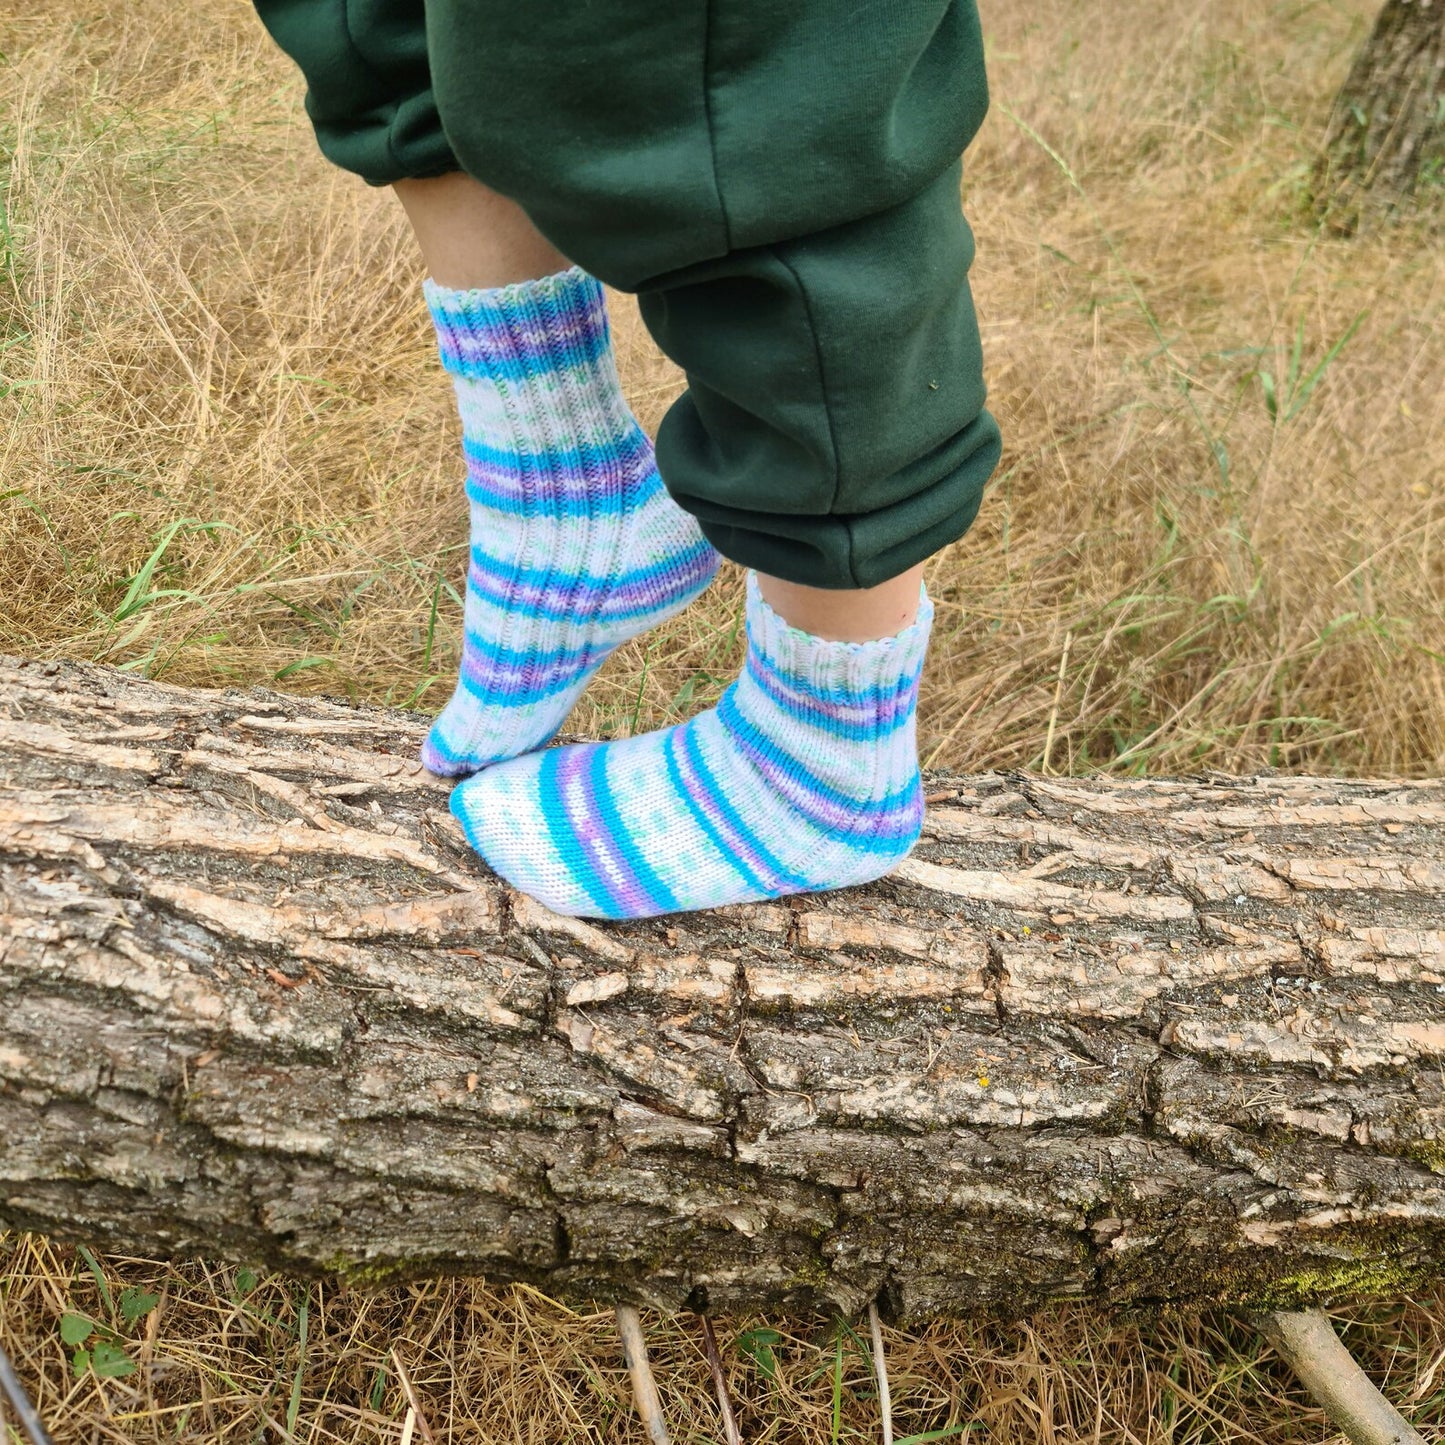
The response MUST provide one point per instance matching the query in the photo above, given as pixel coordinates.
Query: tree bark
(1386, 131)
(1141, 1042)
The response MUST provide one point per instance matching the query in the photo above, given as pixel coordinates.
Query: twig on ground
(14, 1391)
(411, 1398)
(1058, 698)
(880, 1368)
(719, 1381)
(1307, 1342)
(644, 1389)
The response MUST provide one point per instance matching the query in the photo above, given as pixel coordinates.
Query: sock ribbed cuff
(536, 378)
(522, 330)
(828, 669)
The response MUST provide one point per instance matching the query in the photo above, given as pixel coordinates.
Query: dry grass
(215, 361)
(226, 1357)
(228, 456)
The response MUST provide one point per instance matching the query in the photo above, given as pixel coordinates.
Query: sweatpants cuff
(863, 551)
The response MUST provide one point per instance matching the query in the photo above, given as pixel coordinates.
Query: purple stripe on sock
(527, 331)
(434, 760)
(579, 806)
(464, 354)
(836, 695)
(522, 330)
(866, 819)
(852, 715)
(849, 824)
(565, 839)
(530, 320)
(580, 599)
(746, 733)
(561, 481)
(737, 849)
(517, 684)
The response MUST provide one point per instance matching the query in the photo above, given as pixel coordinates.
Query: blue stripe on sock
(839, 696)
(511, 695)
(730, 816)
(732, 717)
(862, 730)
(605, 616)
(434, 740)
(726, 849)
(517, 659)
(623, 847)
(474, 360)
(582, 460)
(599, 497)
(565, 839)
(600, 582)
(579, 601)
(550, 503)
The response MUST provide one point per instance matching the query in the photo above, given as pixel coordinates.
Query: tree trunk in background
(1386, 133)
(1132, 1041)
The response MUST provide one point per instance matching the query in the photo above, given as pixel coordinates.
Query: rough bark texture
(1387, 129)
(1139, 1042)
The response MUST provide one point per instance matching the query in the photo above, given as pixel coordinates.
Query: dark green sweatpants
(778, 180)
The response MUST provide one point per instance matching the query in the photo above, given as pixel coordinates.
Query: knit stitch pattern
(575, 545)
(804, 777)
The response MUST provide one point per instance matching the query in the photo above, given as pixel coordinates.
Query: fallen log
(1143, 1042)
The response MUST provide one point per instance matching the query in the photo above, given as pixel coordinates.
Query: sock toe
(437, 758)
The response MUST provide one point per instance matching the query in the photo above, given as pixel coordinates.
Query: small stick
(1307, 1342)
(1058, 698)
(411, 1399)
(20, 1402)
(644, 1389)
(880, 1368)
(719, 1383)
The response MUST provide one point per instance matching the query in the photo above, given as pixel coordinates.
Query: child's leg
(781, 187)
(780, 184)
(575, 545)
(805, 777)
(472, 238)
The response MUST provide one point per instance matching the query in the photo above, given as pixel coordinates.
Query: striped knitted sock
(804, 777)
(575, 544)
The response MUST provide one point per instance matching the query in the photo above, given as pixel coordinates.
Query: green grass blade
(431, 625)
(99, 1277)
(1271, 399)
(293, 1405)
(1317, 375)
(928, 1436)
(837, 1389)
(1296, 353)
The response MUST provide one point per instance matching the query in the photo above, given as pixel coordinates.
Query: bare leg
(472, 237)
(846, 616)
